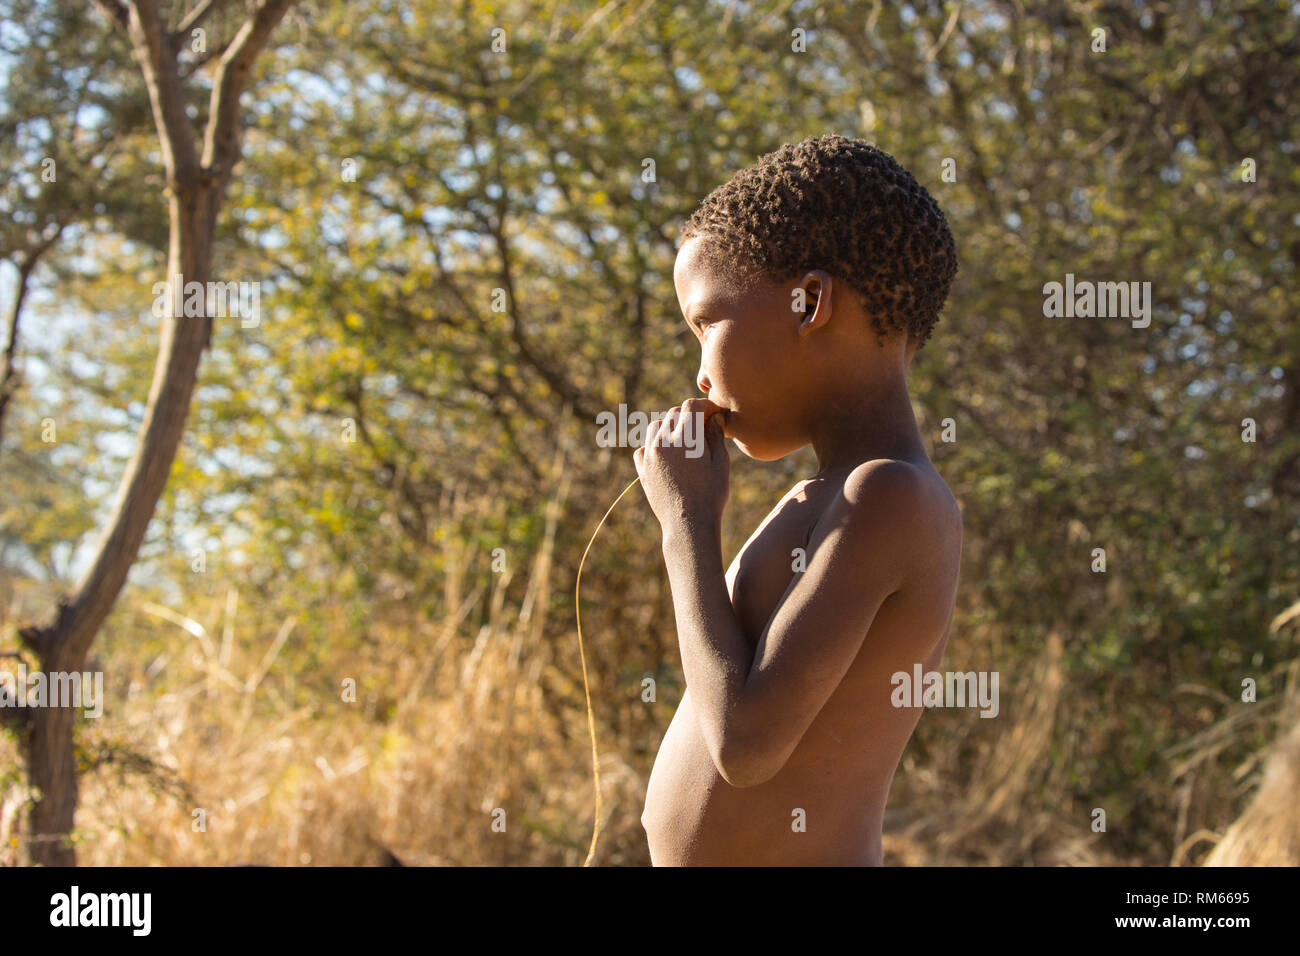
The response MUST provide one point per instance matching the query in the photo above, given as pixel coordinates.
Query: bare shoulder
(909, 502)
(880, 477)
(897, 490)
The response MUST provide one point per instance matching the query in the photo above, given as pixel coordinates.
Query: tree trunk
(64, 646)
(195, 187)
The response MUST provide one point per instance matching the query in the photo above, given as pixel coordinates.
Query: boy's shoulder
(904, 503)
(891, 476)
(903, 488)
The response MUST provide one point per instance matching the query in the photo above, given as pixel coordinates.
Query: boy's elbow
(743, 767)
(742, 777)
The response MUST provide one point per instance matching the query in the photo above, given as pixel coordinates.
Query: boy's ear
(817, 300)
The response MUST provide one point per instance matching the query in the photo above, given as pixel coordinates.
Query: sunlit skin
(784, 746)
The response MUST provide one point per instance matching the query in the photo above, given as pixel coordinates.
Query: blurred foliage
(522, 172)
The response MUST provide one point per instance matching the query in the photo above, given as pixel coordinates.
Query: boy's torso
(826, 805)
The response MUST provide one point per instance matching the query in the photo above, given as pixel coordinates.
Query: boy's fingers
(713, 426)
(672, 418)
(650, 432)
(703, 406)
(716, 437)
(713, 413)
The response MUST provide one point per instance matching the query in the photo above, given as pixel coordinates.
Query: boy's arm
(754, 708)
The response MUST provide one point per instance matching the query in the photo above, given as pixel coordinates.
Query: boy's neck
(872, 419)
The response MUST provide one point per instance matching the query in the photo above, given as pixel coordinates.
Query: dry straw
(586, 688)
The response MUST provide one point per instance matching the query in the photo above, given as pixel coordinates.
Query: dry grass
(210, 755)
(482, 711)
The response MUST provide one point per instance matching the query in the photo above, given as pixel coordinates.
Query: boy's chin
(760, 451)
(758, 447)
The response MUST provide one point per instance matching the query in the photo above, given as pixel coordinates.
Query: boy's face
(751, 358)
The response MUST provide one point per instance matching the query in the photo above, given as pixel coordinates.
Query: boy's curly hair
(840, 205)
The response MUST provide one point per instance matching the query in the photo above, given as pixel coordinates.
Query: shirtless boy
(810, 280)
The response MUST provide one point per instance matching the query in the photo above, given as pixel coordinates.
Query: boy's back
(840, 772)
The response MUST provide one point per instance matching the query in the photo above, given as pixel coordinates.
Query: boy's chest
(777, 550)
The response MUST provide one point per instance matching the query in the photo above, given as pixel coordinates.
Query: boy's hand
(686, 475)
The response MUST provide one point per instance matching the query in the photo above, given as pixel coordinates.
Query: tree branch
(8, 376)
(115, 10)
(221, 143)
(157, 58)
(196, 16)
